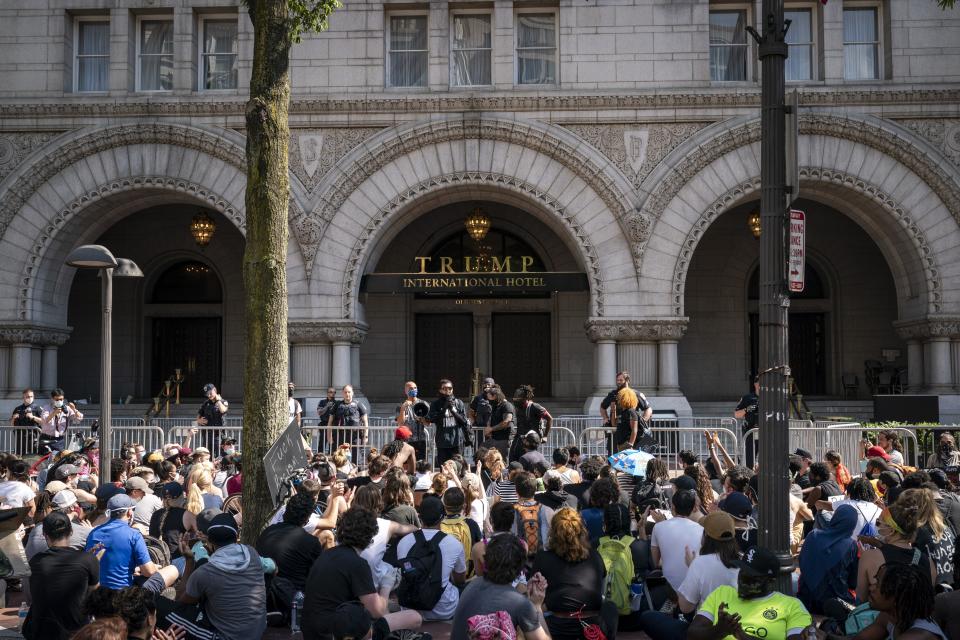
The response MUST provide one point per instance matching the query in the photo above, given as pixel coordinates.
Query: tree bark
(265, 255)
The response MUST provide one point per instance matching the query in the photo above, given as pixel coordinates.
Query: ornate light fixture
(477, 224)
(202, 228)
(754, 223)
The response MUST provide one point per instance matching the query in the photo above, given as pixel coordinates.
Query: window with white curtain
(537, 48)
(92, 55)
(800, 63)
(861, 43)
(729, 49)
(407, 51)
(471, 50)
(155, 54)
(218, 54)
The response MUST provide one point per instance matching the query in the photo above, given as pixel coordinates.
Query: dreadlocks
(911, 590)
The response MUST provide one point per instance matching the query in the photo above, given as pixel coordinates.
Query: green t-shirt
(774, 617)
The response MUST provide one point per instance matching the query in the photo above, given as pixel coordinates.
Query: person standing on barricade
(530, 416)
(213, 408)
(54, 422)
(452, 431)
(28, 414)
(407, 417)
(348, 413)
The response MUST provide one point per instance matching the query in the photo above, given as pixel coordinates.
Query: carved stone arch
(529, 192)
(606, 180)
(742, 191)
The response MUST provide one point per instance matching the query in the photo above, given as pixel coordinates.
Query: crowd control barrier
(668, 438)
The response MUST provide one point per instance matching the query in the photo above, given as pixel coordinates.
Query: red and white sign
(798, 250)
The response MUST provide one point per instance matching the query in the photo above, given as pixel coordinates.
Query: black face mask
(750, 588)
(289, 393)
(946, 447)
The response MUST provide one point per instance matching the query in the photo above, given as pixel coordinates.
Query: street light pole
(774, 302)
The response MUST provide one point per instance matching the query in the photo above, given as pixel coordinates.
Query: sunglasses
(446, 388)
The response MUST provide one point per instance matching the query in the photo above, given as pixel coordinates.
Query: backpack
(421, 573)
(491, 626)
(650, 494)
(618, 561)
(458, 528)
(528, 526)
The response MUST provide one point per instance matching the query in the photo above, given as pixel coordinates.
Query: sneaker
(668, 607)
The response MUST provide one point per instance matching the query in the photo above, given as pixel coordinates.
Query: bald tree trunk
(265, 255)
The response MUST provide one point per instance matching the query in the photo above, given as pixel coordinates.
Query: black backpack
(650, 494)
(421, 573)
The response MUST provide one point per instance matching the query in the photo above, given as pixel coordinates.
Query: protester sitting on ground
(504, 558)
(889, 441)
(828, 561)
(330, 496)
(398, 500)
(736, 478)
(530, 442)
(575, 574)
(897, 529)
(454, 562)
(368, 497)
(937, 536)
(672, 539)
(561, 464)
(340, 575)
(841, 474)
(492, 469)
(529, 511)
(714, 566)
(341, 458)
(502, 518)
(119, 547)
(888, 485)
(64, 501)
(59, 581)
(456, 524)
(172, 520)
(822, 485)
(230, 584)
(553, 495)
(504, 489)
(603, 492)
(109, 628)
(147, 503)
(589, 472)
(740, 507)
(706, 494)
(17, 490)
(946, 455)
(862, 498)
(752, 606)
(292, 549)
(375, 470)
(477, 508)
(656, 489)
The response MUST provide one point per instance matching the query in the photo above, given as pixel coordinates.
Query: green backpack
(618, 561)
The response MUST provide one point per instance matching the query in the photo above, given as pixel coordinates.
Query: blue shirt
(124, 551)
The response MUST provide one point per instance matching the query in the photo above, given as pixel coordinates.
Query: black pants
(445, 453)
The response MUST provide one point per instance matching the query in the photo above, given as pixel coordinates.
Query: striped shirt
(505, 490)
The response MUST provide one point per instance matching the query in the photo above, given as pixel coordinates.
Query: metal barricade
(21, 441)
(171, 423)
(209, 437)
(577, 424)
(377, 437)
(668, 436)
(150, 437)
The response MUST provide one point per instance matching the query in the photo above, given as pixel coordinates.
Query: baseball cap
(67, 470)
(759, 563)
(120, 502)
(171, 490)
(207, 388)
(107, 491)
(684, 483)
(205, 517)
(137, 482)
(222, 529)
(431, 510)
(54, 486)
(199, 450)
(65, 499)
(516, 465)
(718, 525)
(351, 620)
(877, 452)
(532, 437)
(737, 505)
(154, 457)
(488, 381)
(803, 453)
(402, 433)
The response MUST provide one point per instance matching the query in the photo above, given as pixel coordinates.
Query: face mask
(412, 393)
(945, 448)
(58, 403)
(349, 455)
(228, 451)
(289, 393)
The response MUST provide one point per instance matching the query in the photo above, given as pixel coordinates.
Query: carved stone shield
(635, 143)
(311, 144)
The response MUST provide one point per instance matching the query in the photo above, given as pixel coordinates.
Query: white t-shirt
(705, 574)
(672, 537)
(453, 561)
(478, 511)
(293, 408)
(15, 494)
(373, 554)
(866, 512)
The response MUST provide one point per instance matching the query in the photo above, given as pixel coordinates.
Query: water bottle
(22, 614)
(295, 612)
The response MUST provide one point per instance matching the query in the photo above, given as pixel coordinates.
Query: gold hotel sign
(480, 276)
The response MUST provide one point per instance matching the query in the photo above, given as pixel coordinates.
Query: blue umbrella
(631, 461)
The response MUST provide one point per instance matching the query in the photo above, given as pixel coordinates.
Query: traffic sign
(798, 250)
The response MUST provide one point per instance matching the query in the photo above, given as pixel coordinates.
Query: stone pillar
(941, 367)
(482, 342)
(341, 364)
(21, 360)
(914, 366)
(640, 359)
(669, 377)
(48, 368)
(30, 358)
(324, 353)
(932, 358)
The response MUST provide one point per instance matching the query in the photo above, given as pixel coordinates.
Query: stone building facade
(616, 141)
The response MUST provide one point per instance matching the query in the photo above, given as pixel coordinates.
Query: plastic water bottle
(22, 614)
(295, 612)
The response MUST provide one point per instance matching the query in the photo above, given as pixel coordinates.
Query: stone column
(914, 365)
(931, 353)
(24, 368)
(341, 363)
(48, 368)
(21, 360)
(640, 359)
(941, 369)
(669, 370)
(321, 355)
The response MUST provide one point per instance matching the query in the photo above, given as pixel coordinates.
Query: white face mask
(58, 403)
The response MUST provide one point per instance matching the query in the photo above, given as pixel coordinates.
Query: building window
(155, 55)
(537, 48)
(861, 43)
(407, 51)
(218, 54)
(800, 45)
(471, 50)
(729, 50)
(92, 51)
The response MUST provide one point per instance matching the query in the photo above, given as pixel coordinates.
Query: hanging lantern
(477, 224)
(754, 223)
(202, 228)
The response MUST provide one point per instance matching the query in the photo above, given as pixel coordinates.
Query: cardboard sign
(284, 457)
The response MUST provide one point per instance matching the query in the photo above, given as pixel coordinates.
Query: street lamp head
(91, 256)
(127, 268)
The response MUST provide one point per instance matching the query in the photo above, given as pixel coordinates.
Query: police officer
(348, 413)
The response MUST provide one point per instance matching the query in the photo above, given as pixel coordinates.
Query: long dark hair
(726, 550)
(911, 590)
